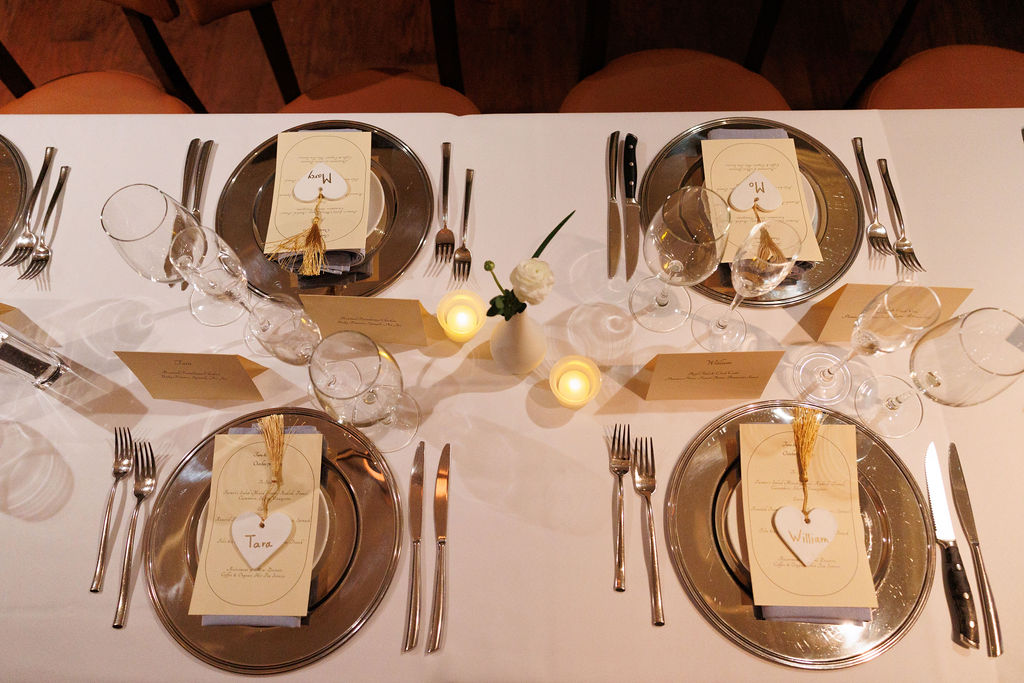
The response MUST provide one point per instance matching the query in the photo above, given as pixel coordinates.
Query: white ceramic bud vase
(518, 345)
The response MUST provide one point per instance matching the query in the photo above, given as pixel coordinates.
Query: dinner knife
(962, 502)
(630, 208)
(200, 184)
(614, 222)
(441, 530)
(412, 613)
(958, 590)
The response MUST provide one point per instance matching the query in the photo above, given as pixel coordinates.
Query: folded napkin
(747, 134)
(817, 615)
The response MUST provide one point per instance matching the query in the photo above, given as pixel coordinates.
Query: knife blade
(962, 502)
(412, 613)
(614, 222)
(958, 590)
(630, 208)
(441, 531)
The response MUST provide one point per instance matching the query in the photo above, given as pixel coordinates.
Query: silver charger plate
(348, 582)
(13, 191)
(898, 538)
(243, 213)
(840, 225)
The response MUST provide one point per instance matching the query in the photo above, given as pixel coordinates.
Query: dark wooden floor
(517, 55)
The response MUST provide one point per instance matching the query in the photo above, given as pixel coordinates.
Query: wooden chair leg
(883, 60)
(446, 43)
(16, 80)
(277, 52)
(160, 58)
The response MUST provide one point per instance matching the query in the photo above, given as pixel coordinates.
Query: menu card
(728, 163)
(839, 575)
(226, 581)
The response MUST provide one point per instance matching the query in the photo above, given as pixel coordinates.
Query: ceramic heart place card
(804, 540)
(259, 528)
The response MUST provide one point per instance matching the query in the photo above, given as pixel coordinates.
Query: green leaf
(551, 234)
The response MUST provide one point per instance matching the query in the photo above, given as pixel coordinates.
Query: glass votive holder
(461, 313)
(575, 381)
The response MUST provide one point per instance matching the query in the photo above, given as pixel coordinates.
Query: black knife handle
(958, 593)
(629, 165)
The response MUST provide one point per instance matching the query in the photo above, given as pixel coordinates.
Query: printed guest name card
(334, 163)
(388, 321)
(213, 376)
(741, 374)
(839, 576)
(853, 298)
(226, 583)
(729, 163)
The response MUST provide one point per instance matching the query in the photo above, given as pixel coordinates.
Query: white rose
(532, 280)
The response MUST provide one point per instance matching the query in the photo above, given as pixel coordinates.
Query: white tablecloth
(530, 545)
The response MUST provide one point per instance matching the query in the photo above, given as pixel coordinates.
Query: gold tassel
(768, 250)
(805, 433)
(310, 244)
(272, 427)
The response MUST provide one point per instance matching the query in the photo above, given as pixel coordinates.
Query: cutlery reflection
(437, 612)
(644, 482)
(145, 483)
(122, 466)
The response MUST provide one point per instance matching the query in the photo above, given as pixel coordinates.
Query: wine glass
(142, 221)
(358, 383)
(763, 261)
(211, 266)
(896, 316)
(683, 245)
(281, 328)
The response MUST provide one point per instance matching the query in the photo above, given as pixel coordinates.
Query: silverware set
(31, 244)
(636, 456)
(628, 235)
(437, 612)
(444, 241)
(194, 180)
(129, 456)
(878, 238)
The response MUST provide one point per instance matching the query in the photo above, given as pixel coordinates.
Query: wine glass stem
(662, 298)
(723, 322)
(829, 372)
(893, 403)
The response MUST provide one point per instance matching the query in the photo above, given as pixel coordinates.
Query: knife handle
(993, 634)
(613, 165)
(958, 592)
(412, 615)
(629, 165)
(437, 610)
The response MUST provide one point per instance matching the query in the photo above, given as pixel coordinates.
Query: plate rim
(21, 167)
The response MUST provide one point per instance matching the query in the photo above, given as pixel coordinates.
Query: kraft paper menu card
(387, 321)
(256, 571)
(834, 575)
(195, 376)
(742, 374)
(853, 298)
(332, 162)
(730, 163)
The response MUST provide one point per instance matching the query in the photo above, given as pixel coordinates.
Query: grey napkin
(747, 134)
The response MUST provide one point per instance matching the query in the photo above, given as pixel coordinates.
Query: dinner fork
(644, 483)
(41, 252)
(145, 484)
(618, 463)
(122, 466)
(26, 241)
(878, 238)
(464, 259)
(444, 242)
(904, 247)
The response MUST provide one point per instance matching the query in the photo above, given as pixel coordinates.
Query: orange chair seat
(97, 92)
(673, 80)
(379, 90)
(952, 77)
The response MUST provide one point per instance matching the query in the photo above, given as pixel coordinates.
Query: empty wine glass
(683, 245)
(211, 266)
(280, 327)
(358, 383)
(762, 262)
(142, 221)
(895, 317)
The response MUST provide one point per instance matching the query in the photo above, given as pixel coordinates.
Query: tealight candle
(461, 314)
(575, 380)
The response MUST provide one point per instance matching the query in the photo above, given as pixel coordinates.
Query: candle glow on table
(575, 381)
(461, 314)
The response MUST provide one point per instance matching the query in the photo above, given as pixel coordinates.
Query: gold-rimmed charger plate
(348, 582)
(898, 538)
(840, 218)
(243, 213)
(13, 191)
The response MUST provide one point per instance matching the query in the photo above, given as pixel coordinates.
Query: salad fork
(41, 252)
(145, 484)
(122, 466)
(878, 238)
(463, 258)
(444, 242)
(26, 241)
(618, 463)
(644, 483)
(904, 247)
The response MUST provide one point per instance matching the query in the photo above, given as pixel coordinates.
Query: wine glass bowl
(282, 328)
(211, 266)
(141, 222)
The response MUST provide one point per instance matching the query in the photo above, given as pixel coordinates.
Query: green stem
(551, 234)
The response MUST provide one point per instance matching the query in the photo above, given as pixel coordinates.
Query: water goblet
(683, 245)
(142, 221)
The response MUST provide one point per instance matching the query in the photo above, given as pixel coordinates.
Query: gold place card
(852, 298)
(194, 376)
(256, 571)
(802, 563)
(741, 374)
(387, 321)
(730, 163)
